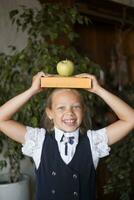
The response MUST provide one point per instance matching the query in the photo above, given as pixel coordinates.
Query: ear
(49, 113)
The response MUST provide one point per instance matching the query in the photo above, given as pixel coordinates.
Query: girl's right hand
(36, 82)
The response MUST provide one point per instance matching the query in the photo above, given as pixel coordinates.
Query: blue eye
(77, 107)
(61, 108)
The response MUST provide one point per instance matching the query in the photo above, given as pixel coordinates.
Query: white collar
(59, 133)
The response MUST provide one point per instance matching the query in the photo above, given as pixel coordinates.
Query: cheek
(81, 117)
(57, 115)
(79, 114)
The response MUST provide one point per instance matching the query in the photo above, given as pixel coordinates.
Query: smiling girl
(64, 156)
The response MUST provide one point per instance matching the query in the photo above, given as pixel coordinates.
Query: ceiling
(108, 11)
(125, 2)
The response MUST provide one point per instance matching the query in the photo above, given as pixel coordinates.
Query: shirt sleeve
(99, 144)
(32, 146)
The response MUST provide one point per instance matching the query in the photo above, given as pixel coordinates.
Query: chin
(70, 129)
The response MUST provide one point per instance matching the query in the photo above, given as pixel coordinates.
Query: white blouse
(34, 139)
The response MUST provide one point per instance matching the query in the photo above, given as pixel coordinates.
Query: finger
(50, 75)
(41, 73)
(84, 75)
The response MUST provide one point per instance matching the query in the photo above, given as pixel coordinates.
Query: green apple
(65, 68)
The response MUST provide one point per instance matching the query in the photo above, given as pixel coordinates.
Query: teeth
(69, 120)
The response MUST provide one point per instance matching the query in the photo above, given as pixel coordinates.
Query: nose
(69, 110)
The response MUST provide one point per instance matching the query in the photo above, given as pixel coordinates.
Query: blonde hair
(48, 124)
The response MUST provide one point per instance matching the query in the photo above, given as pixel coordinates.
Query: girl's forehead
(65, 96)
(66, 92)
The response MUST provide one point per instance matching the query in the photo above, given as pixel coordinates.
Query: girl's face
(66, 110)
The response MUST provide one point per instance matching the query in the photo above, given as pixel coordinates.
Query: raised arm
(11, 128)
(124, 112)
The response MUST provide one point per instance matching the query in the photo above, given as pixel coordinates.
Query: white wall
(8, 33)
(9, 36)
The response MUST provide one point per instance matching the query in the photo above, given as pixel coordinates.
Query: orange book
(65, 82)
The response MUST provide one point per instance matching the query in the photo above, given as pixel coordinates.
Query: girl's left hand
(94, 83)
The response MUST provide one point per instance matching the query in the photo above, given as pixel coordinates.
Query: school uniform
(65, 170)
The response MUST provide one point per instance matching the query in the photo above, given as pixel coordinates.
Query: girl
(66, 159)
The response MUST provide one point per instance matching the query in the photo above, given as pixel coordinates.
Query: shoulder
(97, 136)
(99, 144)
(35, 133)
(34, 138)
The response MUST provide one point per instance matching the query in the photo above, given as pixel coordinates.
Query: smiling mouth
(69, 121)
